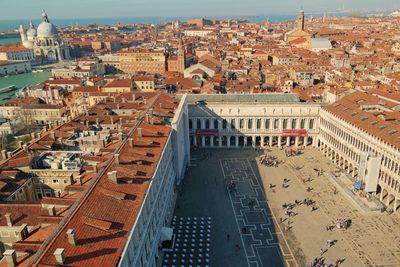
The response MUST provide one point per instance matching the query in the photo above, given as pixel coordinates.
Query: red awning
(289, 133)
(207, 132)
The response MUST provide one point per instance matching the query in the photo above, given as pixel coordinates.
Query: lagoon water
(21, 80)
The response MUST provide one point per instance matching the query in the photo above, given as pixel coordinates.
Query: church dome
(31, 32)
(46, 29)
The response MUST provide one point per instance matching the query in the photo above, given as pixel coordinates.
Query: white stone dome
(31, 32)
(46, 29)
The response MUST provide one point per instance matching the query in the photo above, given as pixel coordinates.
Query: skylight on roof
(363, 118)
(392, 132)
(374, 122)
(382, 127)
(353, 113)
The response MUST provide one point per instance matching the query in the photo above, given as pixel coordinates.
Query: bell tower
(300, 21)
(181, 56)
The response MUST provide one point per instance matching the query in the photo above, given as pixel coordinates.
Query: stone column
(245, 141)
(212, 141)
(228, 141)
(279, 141)
(262, 140)
(203, 141)
(270, 141)
(296, 141)
(195, 140)
(220, 141)
(288, 141)
(254, 141)
(237, 141)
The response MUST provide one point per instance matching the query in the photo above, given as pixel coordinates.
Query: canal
(21, 80)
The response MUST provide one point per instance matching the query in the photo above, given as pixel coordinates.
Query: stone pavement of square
(253, 217)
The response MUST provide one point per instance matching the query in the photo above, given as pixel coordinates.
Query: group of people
(290, 152)
(320, 262)
(269, 161)
(232, 187)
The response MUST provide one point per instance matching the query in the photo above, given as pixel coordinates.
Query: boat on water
(8, 89)
(36, 71)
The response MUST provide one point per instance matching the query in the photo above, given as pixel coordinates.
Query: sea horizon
(10, 25)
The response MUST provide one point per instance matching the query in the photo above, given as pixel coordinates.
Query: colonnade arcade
(344, 146)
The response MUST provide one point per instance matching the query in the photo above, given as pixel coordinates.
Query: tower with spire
(181, 56)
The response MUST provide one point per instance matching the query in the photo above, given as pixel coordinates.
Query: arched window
(267, 122)
(223, 124)
(241, 123)
(249, 123)
(311, 124)
(285, 122)
(258, 124)
(215, 124)
(198, 124)
(294, 122)
(207, 124)
(302, 123)
(233, 123)
(276, 124)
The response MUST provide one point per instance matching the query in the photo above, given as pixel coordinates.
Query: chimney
(97, 121)
(9, 219)
(116, 158)
(123, 100)
(79, 179)
(20, 144)
(147, 118)
(71, 237)
(112, 120)
(87, 123)
(4, 154)
(59, 255)
(9, 154)
(53, 135)
(131, 142)
(112, 177)
(151, 111)
(11, 257)
(118, 106)
(52, 210)
(120, 137)
(139, 130)
(133, 97)
(95, 168)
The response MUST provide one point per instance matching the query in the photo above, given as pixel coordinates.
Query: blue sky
(28, 9)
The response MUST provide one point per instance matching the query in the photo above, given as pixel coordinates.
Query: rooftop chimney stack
(131, 142)
(139, 130)
(4, 154)
(11, 257)
(71, 237)
(59, 255)
(112, 177)
(8, 219)
(116, 157)
(79, 179)
(52, 210)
